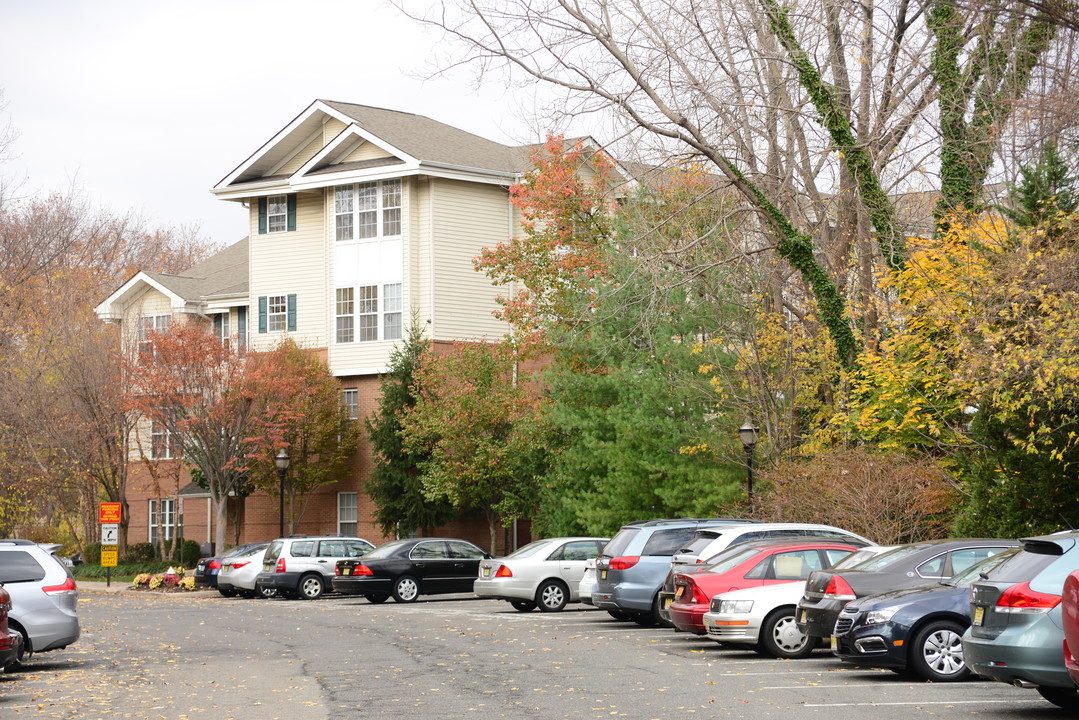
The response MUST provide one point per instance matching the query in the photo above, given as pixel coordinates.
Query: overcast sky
(143, 106)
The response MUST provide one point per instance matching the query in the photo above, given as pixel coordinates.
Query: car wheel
(406, 589)
(618, 615)
(311, 587)
(523, 605)
(781, 638)
(227, 593)
(551, 596)
(1061, 697)
(376, 598)
(937, 652)
(266, 592)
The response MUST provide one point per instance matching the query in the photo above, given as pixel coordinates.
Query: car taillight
(215, 564)
(504, 571)
(280, 565)
(362, 570)
(839, 589)
(67, 587)
(238, 565)
(1021, 599)
(624, 563)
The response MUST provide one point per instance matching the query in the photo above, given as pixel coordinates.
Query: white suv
(304, 567)
(44, 600)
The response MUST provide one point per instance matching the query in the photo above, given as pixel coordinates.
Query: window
(430, 550)
(361, 317)
(162, 518)
(276, 214)
(277, 313)
(367, 210)
(350, 400)
(148, 325)
(221, 327)
(347, 513)
(162, 443)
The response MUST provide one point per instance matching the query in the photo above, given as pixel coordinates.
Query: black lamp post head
(748, 434)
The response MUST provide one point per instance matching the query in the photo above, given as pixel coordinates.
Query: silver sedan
(544, 574)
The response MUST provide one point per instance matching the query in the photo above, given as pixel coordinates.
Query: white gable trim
(299, 148)
(112, 309)
(336, 149)
(316, 107)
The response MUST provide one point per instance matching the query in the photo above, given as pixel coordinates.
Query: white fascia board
(110, 310)
(224, 303)
(346, 136)
(315, 107)
(331, 179)
(458, 172)
(253, 189)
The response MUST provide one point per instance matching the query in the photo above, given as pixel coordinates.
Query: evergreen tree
(394, 484)
(1046, 197)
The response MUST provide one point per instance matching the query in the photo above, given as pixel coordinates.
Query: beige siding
(367, 151)
(331, 129)
(467, 218)
(301, 157)
(291, 263)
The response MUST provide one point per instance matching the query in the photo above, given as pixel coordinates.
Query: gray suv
(631, 569)
(44, 600)
(304, 566)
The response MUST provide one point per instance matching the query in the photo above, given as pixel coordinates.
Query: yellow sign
(109, 556)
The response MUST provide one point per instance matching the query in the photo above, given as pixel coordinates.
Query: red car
(10, 643)
(1070, 619)
(745, 566)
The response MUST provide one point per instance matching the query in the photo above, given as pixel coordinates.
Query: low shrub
(91, 553)
(138, 553)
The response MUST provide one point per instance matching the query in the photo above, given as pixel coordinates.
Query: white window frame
(369, 313)
(368, 211)
(151, 324)
(277, 214)
(162, 442)
(348, 513)
(276, 313)
(223, 330)
(350, 400)
(168, 519)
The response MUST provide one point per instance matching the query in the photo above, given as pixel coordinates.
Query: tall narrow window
(277, 313)
(347, 515)
(343, 207)
(162, 518)
(391, 207)
(162, 443)
(346, 321)
(221, 327)
(391, 307)
(277, 213)
(350, 401)
(368, 310)
(367, 205)
(148, 325)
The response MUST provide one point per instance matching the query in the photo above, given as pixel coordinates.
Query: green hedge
(87, 571)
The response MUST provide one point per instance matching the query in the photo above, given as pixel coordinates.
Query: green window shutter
(262, 313)
(262, 216)
(290, 318)
(291, 213)
(241, 325)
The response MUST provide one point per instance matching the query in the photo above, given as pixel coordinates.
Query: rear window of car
(383, 551)
(273, 552)
(530, 549)
(1023, 566)
(733, 559)
(700, 542)
(19, 566)
(892, 556)
(665, 542)
(249, 551)
(1051, 579)
(620, 542)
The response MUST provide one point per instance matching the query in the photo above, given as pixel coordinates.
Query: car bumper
(818, 619)
(627, 597)
(362, 585)
(688, 619)
(731, 627)
(879, 645)
(502, 590)
(287, 581)
(1023, 654)
(9, 653)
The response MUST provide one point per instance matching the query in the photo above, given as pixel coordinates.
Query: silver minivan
(304, 566)
(44, 599)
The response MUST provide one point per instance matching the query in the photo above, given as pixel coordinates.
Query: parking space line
(915, 702)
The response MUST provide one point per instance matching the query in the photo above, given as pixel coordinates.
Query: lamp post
(748, 435)
(282, 461)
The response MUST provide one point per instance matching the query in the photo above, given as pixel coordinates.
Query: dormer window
(367, 210)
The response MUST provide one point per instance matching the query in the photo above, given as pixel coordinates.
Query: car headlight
(882, 615)
(735, 606)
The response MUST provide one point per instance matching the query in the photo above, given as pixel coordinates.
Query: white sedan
(544, 574)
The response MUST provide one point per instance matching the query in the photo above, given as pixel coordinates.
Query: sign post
(109, 515)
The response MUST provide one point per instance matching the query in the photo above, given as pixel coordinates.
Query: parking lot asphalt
(191, 655)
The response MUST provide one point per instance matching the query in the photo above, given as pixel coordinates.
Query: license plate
(979, 615)
(678, 592)
(487, 572)
(225, 570)
(835, 643)
(602, 574)
(803, 617)
(346, 571)
(667, 602)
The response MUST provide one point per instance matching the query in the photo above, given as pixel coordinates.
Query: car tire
(618, 615)
(937, 652)
(1061, 697)
(781, 638)
(311, 587)
(376, 598)
(551, 596)
(523, 605)
(406, 589)
(227, 593)
(266, 592)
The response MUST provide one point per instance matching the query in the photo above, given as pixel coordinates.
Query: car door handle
(457, 565)
(419, 565)
(322, 561)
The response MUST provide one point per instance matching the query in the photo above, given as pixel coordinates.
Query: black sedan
(907, 566)
(918, 629)
(407, 569)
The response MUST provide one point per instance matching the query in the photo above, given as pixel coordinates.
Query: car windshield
(530, 549)
(620, 542)
(973, 573)
(385, 550)
(238, 550)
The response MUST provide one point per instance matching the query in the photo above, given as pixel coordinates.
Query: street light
(282, 461)
(748, 435)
